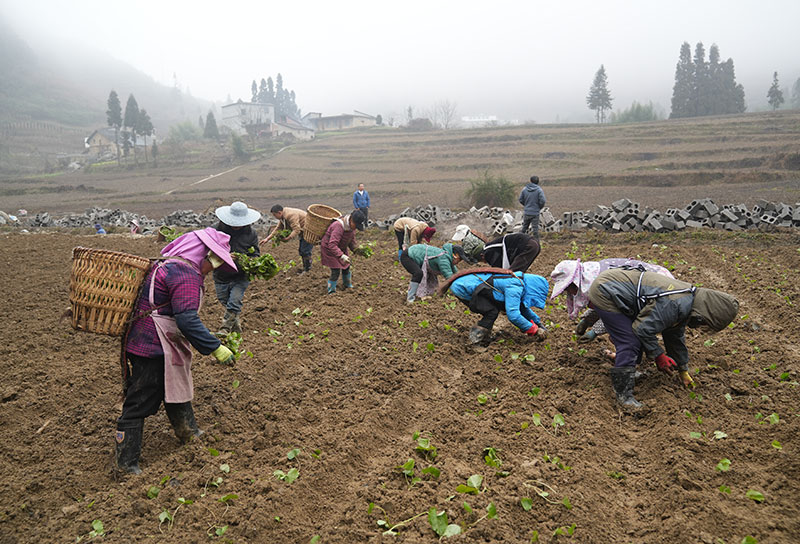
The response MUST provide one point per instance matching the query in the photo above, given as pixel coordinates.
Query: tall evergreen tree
(262, 92)
(599, 98)
(702, 82)
(775, 94)
(211, 130)
(270, 90)
(279, 98)
(716, 92)
(682, 90)
(130, 120)
(114, 117)
(144, 126)
(254, 90)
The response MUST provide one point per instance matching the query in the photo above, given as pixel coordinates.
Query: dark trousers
(531, 222)
(305, 247)
(484, 303)
(401, 236)
(620, 330)
(145, 389)
(411, 265)
(366, 214)
(524, 259)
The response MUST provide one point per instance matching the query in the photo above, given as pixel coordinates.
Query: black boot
(478, 335)
(306, 264)
(181, 416)
(622, 378)
(129, 446)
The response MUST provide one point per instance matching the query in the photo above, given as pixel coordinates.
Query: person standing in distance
(361, 201)
(532, 198)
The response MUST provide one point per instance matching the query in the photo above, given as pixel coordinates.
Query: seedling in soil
(391, 529)
(527, 503)
(556, 460)
(725, 489)
(424, 445)
(754, 495)
(438, 522)
(565, 531)
(776, 445)
(533, 393)
(616, 475)
(724, 465)
(558, 421)
(491, 458)
(287, 477)
(407, 469)
(473, 486)
(293, 453)
(153, 492)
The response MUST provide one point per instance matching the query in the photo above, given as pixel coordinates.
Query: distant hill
(70, 86)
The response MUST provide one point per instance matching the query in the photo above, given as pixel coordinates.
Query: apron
(429, 283)
(506, 263)
(178, 385)
(407, 237)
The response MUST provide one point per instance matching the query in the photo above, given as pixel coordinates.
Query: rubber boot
(236, 326)
(129, 446)
(181, 416)
(331, 287)
(478, 334)
(227, 323)
(412, 292)
(306, 264)
(622, 379)
(347, 279)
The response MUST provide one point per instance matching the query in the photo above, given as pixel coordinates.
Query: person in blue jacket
(361, 200)
(489, 294)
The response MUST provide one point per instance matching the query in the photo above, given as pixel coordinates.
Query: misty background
(523, 61)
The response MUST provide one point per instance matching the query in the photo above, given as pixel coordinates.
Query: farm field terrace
(347, 388)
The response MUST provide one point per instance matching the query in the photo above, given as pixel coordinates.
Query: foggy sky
(525, 60)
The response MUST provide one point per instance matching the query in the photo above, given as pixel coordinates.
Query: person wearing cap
(409, 231)
(164, 328)
(532, 198)
(235, 221)
(295, 220)
(136, 228)
(637, 305)
(515, 251)
(471, 241)
(98, 229)
(489, 294)
(341, 236)
(574, 277)
(423, 262)
(361, 201)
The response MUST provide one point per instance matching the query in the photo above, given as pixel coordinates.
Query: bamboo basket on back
(103, 287)
(318, 220)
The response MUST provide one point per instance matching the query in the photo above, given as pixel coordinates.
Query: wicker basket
(317, 222)
(103, 288)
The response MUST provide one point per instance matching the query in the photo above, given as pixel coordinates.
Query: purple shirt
(179, 286)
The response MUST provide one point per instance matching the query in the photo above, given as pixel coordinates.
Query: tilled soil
(348, 379)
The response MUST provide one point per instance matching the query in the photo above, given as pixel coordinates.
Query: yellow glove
(687, 380)
(223, 355)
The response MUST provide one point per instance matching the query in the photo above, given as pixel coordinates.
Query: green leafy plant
(438, 522)
(287, 477)
(724, 465)
(233, 341)
(424, 445)
(262, 267)
(473, 485)
(491, 458)
(565, 531)
(754, 495)
(390, 529)
(280, 236)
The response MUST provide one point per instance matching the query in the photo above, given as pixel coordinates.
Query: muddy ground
(348, 379)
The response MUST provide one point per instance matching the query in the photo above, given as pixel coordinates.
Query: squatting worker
(340, 236)
(158, 345)
(294, 220)
(532, 198)
(490, 293)
(409, 231)
(235, 221)
(515, 252)
(635, 306)
(472, 241)
(423, 262)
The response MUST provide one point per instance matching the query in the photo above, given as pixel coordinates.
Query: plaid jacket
(179, 286)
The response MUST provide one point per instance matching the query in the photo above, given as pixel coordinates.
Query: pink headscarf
(195, 245)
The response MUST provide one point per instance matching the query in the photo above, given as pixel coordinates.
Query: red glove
(533, 330)
(665, 363)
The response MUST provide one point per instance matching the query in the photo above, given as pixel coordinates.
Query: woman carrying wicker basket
(165, 326)
(340, 236)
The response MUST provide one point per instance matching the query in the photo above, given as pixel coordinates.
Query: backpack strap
(642, 300)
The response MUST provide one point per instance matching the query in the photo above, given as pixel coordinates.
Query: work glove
(687, 380)
(587, 337)
(345, 259)
(583, 324)
(665, 363)
(533, 330)
(223, 355)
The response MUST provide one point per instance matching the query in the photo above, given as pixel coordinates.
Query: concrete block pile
(496, 220)
(627, 216)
